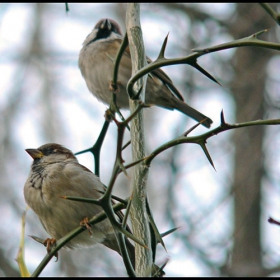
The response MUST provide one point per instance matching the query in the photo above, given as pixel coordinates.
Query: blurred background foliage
(222, 215)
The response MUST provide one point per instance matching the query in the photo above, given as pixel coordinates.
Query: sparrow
(56, 172)
(96, 62)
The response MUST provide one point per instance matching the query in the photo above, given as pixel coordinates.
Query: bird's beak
(106, 24)
(34, 153)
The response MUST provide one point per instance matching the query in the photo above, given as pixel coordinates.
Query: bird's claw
(50, 243)
(85, 223)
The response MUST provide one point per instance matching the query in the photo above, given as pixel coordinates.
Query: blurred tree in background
(222, 215)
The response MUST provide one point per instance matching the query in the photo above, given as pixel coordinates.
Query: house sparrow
(55, 172)
(96, 62)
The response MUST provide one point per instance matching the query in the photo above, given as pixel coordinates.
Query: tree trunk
(248, 89)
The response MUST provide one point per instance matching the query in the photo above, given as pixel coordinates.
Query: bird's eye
(49, 151)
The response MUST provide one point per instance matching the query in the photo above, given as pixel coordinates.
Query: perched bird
(55, 172)
(96, 62)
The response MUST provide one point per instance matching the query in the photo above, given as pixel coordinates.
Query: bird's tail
(191, 112)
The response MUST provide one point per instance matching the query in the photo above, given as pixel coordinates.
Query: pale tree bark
(143, 256)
